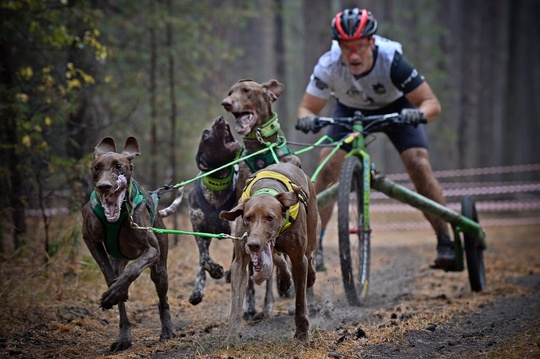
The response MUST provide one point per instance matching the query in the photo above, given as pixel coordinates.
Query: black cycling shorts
(402, 137)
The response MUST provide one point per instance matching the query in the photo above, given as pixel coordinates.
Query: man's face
(358, 55)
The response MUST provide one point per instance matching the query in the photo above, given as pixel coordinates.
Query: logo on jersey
(411, 77)
(320, 84)
(354, 92)
(379, 89)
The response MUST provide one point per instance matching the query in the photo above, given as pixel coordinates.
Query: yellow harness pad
(292, 212)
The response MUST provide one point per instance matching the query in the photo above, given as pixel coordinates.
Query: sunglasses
(356, 48)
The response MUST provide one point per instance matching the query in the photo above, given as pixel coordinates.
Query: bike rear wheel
(354, 232)
(474, 252)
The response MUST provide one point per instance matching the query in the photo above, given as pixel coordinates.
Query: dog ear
(287, 199)
(274, 89)
(233, 213)
(105, 145)
(131, 148)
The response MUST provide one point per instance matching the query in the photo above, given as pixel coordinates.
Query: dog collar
(292, 212)
(268, 129)
(218, 184)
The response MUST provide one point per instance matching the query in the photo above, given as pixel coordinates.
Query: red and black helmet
(353, 24)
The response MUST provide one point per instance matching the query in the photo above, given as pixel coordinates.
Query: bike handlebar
(373, 122)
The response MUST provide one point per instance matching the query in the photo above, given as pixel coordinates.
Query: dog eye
(269, 218)
(118, 166)
(96, 168)
(245, 90)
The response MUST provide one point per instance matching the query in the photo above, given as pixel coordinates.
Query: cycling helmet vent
(353, 24)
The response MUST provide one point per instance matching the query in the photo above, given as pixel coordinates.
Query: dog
(277, 214)
(211, 195)
(116, 205)
(251, 105)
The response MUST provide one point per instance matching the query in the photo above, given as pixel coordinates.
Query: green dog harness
(112, 230)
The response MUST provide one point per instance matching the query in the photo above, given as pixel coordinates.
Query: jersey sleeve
(404, 75)
(320, 81)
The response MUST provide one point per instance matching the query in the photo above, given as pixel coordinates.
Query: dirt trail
(411, 311)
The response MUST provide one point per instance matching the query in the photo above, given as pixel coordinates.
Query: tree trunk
(172, 97)
(153, 97)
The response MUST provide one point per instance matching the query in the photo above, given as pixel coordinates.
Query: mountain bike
(356, 179)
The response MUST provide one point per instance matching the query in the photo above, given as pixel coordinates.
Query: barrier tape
(473, 171)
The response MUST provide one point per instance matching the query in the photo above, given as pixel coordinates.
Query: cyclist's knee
(416, 160)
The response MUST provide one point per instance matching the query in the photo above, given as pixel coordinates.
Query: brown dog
(116, 203)
(276, 214)
(210, 195)
(251, 105)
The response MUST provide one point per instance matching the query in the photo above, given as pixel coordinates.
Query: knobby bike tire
(354, 245)
(474, 252)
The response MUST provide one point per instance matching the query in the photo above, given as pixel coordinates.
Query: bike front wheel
(354, 232)
(474, 253)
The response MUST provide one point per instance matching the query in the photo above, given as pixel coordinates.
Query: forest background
(72, 72)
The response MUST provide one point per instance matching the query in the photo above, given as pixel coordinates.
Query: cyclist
(367, 72)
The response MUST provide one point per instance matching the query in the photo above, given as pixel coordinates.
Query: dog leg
(158, 274)
(239, 279)
(299, 273)
(251, 311)
(124, 338)
(200, 282)
(118, 291)
(283, 275)
(268, 299)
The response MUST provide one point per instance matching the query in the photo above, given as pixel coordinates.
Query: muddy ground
(52, 311)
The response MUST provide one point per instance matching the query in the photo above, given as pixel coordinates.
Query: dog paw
(216, 271)
(120, 345)
(167, 333)
(112, 297)
(195, 297)
(302, 336)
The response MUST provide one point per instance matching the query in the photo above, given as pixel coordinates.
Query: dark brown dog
(107, 230)
(251, 105)
(276, 214)
(211, 195)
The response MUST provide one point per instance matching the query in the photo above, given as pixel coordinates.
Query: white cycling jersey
(372, 91)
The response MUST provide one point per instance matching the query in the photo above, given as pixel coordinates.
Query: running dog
(116, 206)
(211, 195)
(277, 214)
(251, 105)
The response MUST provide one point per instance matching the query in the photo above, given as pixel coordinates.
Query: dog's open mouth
(244, 122)
(229, 141)
(263, 265)
(112, 200)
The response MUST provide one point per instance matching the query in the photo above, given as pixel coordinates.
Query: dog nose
(104, 186)
(227, 104)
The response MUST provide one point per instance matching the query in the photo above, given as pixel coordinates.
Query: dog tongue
(262, 264)
(244, 124)
(112, 201)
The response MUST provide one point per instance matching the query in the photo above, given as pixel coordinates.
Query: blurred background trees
(72, 72)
